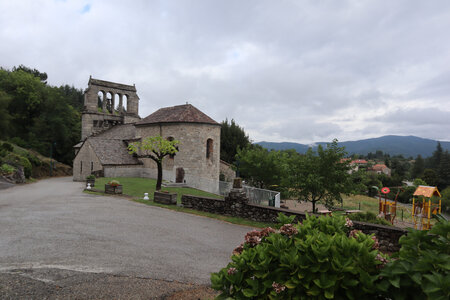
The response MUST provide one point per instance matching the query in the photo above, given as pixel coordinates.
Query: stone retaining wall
(236, 204)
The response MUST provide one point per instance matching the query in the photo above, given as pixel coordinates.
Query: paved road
(52, 224)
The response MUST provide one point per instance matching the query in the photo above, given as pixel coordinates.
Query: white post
(146, 196)
(277, 200)
(88, 186)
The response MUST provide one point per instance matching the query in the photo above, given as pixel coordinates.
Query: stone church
(110, 121)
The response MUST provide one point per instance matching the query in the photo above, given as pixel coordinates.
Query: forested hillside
(38, 116)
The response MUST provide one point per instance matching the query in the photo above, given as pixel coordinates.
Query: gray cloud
(286, 70)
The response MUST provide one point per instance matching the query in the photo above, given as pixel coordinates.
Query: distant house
(355, 164)
(380, 169)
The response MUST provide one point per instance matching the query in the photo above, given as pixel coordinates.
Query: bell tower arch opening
(107, 104)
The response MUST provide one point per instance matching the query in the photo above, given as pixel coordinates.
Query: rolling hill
(392, 144)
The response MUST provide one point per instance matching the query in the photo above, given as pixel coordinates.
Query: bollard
(88, 186)
(146, 196)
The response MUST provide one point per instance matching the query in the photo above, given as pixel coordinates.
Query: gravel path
(52, 225)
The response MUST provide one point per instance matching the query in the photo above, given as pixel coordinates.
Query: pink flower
(383, 260)
(266, 231)
(231, 271)
(354, 233)
(238, 250)
(278, 287)
(348, 222)
(288, 229)
(253, 238)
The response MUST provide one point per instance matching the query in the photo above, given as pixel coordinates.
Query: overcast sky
(297, 71)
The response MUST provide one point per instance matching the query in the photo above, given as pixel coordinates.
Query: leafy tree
(418, 167)
(430, 176)
(261, 167)
(319, 178)
(444, 171)
(34, 72)
(232, 137)
(5, 117)
(436, 157)
(155, 148)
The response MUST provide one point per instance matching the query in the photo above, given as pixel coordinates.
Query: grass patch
(368, 204)
(136, 187)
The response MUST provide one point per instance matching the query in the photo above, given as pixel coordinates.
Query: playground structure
(426, 202)
(388, 209)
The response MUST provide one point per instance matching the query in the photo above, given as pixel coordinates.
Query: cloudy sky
(298, 71)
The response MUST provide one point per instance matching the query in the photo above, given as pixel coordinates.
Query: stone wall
(85, 163)
(123, 171)
(227, 171)
(236, 204)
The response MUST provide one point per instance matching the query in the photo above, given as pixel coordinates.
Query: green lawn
(365, 203)
(136, 187)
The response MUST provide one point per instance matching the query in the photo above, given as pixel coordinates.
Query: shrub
(7, 147)
(6, 169)
(313, 260)
(90, 177)
(422, 270)
(445, 201)
(114, 183)
(368, 217)
(15, 159)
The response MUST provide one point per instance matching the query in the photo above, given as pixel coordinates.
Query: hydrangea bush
(321, 258)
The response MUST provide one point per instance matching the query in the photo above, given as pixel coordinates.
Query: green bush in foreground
(319, 259)
(6, 169)
(422, 270)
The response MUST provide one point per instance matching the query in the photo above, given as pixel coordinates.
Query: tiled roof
(186, 113)
(112, 151)
(379, 167)
(119, 132)
(427, 191)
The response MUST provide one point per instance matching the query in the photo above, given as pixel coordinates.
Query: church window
(209, 148)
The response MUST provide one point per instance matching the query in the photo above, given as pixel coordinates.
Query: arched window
(109, 102)
(124, 102)
(209, 148)
(101, 96)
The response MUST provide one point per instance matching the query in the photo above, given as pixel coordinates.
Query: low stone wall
(236, 204)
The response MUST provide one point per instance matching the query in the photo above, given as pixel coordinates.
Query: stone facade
(85, 162)
(198, 169)
(227, 172)
(236, 204)
(119, 105)
(108, 128)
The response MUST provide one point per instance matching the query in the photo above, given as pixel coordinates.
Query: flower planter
(113, 189)
(165, 198)
(91, 181)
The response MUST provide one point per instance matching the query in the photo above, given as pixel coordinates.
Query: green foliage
(369, 217)
(155, 148)
(430, 176)
(7, 147)
(232, 137)
(418, 167)
(319, 178)
(35, 115)
(18, 160)
(422, 270)
(282, 219)
(419, 181)
(406, 194)
(90, 177)
(261, 167)
(445, 201)
(313, 260)
(6, 169)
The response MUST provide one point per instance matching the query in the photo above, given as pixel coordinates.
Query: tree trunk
(159, 180)
(314, 206)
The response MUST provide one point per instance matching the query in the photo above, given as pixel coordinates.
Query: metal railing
(255, 195)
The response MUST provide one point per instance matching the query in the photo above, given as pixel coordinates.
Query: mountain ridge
(392, 144)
